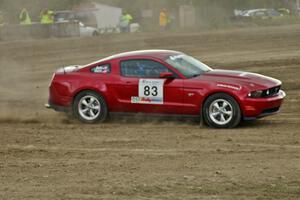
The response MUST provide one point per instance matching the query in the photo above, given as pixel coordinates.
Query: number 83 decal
(151, 91)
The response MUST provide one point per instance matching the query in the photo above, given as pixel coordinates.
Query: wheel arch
(233, 122)
(89, 89)
(220, 92)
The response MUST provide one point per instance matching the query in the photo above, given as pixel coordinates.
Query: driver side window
(142, 68)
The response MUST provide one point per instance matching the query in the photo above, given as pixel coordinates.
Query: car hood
(242, 79)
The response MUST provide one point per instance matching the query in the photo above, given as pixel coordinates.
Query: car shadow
(256, 124)
(141, 118)
(158, 119)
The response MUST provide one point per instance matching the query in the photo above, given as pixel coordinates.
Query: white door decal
(151, 91)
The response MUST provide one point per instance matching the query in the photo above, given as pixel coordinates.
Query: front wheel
(90, 107)
(221, 111)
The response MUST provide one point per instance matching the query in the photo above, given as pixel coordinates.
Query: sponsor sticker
(103, 69)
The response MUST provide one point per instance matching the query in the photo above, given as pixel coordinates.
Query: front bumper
(254, 108)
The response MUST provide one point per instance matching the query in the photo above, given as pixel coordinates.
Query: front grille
(270, 92)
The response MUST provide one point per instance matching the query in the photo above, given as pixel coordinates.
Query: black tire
(215, 120)
(99, 117)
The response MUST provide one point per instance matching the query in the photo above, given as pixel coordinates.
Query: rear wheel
(90, 107)
(221, 111)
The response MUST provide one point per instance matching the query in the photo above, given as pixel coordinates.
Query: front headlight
(255, 94)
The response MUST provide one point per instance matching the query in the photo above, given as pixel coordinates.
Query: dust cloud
(26, 66)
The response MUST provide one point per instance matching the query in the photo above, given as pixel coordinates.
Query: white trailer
(104, 17)
(107, 16)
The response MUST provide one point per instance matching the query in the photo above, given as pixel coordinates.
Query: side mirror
(167, 75)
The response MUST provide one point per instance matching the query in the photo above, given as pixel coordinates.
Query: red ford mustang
(163, 82)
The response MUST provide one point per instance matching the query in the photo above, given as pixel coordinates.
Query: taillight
(68, 69)
(60, 71)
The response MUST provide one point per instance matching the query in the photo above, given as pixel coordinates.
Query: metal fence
(39, 31)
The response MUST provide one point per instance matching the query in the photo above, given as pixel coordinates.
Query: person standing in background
(171, 21)
(24, 17)
(163, 19)
(44, 16)
(47, 17)
(50, 16)
(125, 22)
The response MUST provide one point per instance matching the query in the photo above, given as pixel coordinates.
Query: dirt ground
(45, 155)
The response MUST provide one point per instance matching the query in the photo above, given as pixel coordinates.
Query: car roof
(259, 10)
(159, 54)
(254, 10)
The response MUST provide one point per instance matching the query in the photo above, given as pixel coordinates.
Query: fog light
(250, 108)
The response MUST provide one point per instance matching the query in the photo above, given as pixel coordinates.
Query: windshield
(187, 65)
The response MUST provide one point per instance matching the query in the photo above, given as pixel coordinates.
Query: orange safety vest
(163, 19)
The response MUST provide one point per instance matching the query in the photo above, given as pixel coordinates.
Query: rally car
(163, 82)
